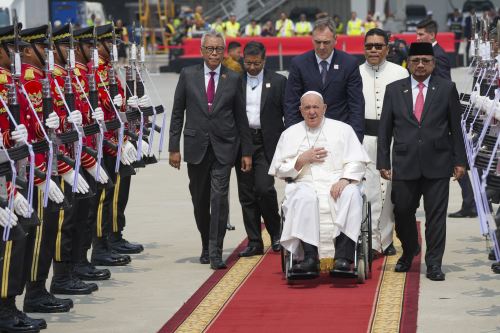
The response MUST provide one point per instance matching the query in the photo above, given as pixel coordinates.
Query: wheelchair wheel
(283, 260)
(361, 270)
(369, 225)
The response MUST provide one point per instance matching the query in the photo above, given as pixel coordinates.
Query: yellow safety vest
(288, 28)
(252, 31)
(354, 28)
(369, 26)
(232, 29)
(219, 27)
(303, 28)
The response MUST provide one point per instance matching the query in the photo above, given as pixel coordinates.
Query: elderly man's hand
(458, 172)
(338, 187)
(246, 163)
(386, 174)
(314, 155)
(174, 159)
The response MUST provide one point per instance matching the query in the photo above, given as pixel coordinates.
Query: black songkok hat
(7, 35)
(84, 35)
(61, 34)
(419, 48)
(36, 35)
(105, 32)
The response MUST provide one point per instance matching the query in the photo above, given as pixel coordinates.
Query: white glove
(21, 205)
(144, 101)
(145, 148)
(55, 193)
(473, 96)
(52, 121)
(4, 217)
(20, 134)
(75, 117)
(81, 186)
(129, 154)
(103, 176)
(98, 114)
(118, 101)
(133, 102)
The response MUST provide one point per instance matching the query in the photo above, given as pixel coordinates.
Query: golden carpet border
(221, 293)
(389, 303)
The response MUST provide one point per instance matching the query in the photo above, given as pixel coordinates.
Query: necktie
(419, 103)
(324, 70)
(211, 90)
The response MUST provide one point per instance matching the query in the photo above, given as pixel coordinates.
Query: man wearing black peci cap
(420, 115)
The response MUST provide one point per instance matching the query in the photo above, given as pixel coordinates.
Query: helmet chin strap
(80, 46)
(106, 48)
(39, 56)
(59, 52)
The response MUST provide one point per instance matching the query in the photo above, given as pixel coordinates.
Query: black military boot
(11, 322)
(88, 272)
(23, 317)
(38, 299)
(64, 282)
(121, 245)
(103, 255)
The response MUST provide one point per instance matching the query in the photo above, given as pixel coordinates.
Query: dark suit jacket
(430, 149)
(223, 127)
(442, 68)
(271, 109)
(343, 91)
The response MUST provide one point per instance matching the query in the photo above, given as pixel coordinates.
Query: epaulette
(29, 74)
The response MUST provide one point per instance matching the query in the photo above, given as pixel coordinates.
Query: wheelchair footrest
(343, 274)
(302, 276)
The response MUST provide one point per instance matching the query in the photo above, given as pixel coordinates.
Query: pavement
(142, 296)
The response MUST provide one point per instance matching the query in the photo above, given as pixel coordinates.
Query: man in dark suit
(332, 73)
(216, 125)
(420, 114)
(264, 93)
(426, 32)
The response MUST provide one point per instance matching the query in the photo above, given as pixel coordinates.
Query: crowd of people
(326, 129)
(61, 97)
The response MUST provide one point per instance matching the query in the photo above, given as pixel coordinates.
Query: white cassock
(377, 189)
(311, 214)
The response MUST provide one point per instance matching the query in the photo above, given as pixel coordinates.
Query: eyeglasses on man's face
(377, 46)
(212, 49)
(424, 61)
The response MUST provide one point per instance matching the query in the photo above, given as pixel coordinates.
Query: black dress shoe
(276, 245)
(390, 250)
(250, 251)
(109, 258)
(435, 273)
(308, 265)
(123, 246)
(216, 264)
(463, 213)
(46, 304)
(23, 317)
(88, 272)
(71, 285)
(12, 324)
(495, 267)
(403, 264)
(342, 264)
(204, 259)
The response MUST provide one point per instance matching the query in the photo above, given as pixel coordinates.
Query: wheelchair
(362, 266)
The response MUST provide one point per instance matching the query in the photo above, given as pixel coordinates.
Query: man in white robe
(324, 163)
(376, 74)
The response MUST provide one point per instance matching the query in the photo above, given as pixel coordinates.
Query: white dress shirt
(415, 90)
(254, 93)
(207, 76)
(328, 60)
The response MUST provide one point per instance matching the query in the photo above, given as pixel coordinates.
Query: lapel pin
(223, 76)
(405, 91)
(335, 66)
(433, 88)
(268, 85)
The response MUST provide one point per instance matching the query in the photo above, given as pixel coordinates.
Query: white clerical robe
(311, 214)
(377, 189)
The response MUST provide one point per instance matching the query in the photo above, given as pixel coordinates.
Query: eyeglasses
(211, 49)
(424, 61)
(370, 46)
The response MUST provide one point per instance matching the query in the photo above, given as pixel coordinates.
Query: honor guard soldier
(42, 242)
(12, 250)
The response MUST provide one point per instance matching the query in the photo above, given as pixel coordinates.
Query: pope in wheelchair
(323, 163)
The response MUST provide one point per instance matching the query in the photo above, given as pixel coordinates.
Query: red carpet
(264, 302)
